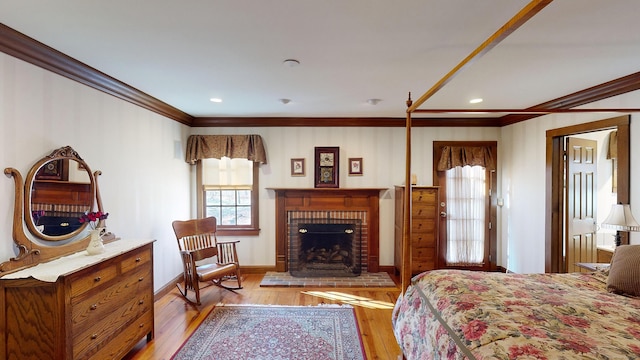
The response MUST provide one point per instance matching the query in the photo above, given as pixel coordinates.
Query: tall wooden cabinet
(80, 306)
(424, 237)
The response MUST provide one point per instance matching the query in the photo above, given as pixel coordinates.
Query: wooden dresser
(80, 306)
(424, 237)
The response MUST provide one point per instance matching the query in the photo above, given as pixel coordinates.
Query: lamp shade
(620, 218)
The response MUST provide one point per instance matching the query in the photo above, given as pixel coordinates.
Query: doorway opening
(556, 259)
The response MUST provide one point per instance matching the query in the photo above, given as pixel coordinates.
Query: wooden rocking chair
(198, 243)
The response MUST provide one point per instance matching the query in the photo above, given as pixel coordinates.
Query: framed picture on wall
(327, 165)
(297, 167)
(355, 166)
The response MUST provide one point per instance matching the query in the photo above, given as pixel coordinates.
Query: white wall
(522, 154)
(383, 153)
(144, 185)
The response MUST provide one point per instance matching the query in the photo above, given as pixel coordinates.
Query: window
(466, 202)
(229, 192)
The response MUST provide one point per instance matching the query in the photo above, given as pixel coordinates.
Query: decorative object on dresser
(621, 219)
(62, 303)
(197, 243)
(424, 224)
(96, 246)
(327, 167)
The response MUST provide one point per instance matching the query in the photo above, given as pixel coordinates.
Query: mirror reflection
(60, 192)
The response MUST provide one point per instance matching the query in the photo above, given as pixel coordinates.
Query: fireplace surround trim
(331, 199)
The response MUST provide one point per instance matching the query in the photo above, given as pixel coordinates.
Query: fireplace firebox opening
(325, 247)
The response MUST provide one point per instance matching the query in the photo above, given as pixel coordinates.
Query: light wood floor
(175, 319)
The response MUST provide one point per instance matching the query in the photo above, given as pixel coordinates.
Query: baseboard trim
(168, 287)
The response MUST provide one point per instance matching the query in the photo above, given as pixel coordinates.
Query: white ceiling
(185, 52)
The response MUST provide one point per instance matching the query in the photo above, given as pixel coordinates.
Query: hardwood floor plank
(176, 319)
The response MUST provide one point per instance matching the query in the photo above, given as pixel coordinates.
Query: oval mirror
(58, 190)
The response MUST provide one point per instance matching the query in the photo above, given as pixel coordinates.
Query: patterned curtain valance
(453, 156)
(248, 147)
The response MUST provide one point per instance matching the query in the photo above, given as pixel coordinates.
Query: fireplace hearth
(325, 247)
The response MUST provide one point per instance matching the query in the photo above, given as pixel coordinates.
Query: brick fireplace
(362, 205)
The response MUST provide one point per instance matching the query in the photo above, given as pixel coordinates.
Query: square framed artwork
(297, 167)
(327, 165)
(355, 166)
(54, 170)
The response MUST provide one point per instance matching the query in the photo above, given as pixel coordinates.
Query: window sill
(237, 232)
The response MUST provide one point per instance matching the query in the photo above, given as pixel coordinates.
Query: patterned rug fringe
(287, 306)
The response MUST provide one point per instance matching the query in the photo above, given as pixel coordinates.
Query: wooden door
(488, 262)
(580, 220)
(446, 218)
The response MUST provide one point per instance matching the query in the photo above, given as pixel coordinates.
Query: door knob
(443, 214)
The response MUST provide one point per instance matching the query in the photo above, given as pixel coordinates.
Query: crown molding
(34, 52)
(342, 122)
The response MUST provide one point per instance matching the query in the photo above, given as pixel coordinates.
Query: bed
(457, 314)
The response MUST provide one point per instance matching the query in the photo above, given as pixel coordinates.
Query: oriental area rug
(266, 332)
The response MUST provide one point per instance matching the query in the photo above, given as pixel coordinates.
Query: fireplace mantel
(329, 199)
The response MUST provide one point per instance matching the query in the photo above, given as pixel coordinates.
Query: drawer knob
(94, 306)
(140, 302)
(138, 259)
(94, 336)
(140, 278)
(97, 278)
(141, 325)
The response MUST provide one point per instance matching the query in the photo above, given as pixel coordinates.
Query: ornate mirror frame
(47, 170)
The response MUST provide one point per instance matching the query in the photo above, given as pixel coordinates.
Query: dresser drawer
(102, 274)
(86, 311)
(106, 341)
(423, 225)
(423, 211)
(129, 300)
(136, 260)
(426, 196)
(126, 338)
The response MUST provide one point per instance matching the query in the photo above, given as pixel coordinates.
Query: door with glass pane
(465, 173)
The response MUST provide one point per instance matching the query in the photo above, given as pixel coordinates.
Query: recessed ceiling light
(291, 62)
(476, 101)
(285, 101)
(373, 101)
(216, 100)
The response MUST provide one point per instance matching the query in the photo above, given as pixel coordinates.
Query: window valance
(248, 147)
(453, 156)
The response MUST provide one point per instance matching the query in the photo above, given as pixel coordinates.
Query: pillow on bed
(624, 273)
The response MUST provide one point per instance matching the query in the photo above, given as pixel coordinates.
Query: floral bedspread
(455, 314)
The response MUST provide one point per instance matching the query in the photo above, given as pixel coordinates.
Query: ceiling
(185, 52)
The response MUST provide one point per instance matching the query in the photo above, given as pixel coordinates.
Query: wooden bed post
(512, 25)
(405, 273)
